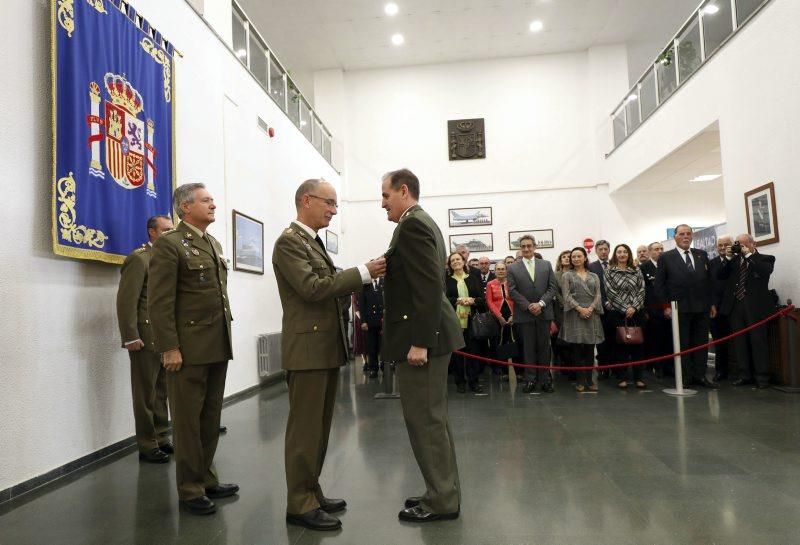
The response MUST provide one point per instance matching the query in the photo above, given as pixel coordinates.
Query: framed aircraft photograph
(543, 238)
(463, 217)
(475, 242)
(248, 244)
(762, 216)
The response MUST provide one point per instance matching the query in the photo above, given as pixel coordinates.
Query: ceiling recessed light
(705, 178)
(711, 9)
(241, 53)
(536, 26)
(397, 39)
(391, 9)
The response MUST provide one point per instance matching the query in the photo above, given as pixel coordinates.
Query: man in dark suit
(658, 331)
(370, 305)
(189, 310)
(313, 347)
(720, 324)
(148, 378)
(745, 273)
(684, 276)
(421, 331)
(532, 285)
(605, 349)
(484, 273)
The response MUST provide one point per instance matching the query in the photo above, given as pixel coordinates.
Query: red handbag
(629, 334)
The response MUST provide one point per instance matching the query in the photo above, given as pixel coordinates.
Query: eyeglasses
(329, 202)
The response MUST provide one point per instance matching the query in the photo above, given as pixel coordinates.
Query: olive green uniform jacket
(132, 299)
(313, 331)
(416, 310)
(187, 297)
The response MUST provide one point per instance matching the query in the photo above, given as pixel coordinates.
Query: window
(717, 24)
(277, 85)
(258, 59)
(689, 57)
(239, 36)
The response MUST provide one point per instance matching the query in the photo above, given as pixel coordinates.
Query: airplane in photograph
(467, 218)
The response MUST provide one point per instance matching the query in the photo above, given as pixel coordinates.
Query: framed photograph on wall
(762, 215)
(464, 217)
(543, 237)
(248, 244)
(331, 242)
(475, 242)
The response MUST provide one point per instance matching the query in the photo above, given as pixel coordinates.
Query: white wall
(751, 87)
(64, 381)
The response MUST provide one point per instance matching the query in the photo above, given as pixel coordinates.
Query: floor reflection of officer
(148, 379)
(189, 310)
(370, 303)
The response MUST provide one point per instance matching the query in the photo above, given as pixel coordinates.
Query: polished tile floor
(618, 467)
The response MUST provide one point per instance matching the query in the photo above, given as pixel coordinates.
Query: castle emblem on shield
(129, 151)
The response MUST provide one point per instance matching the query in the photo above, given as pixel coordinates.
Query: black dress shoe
(705, 383)
(413, 501)
(331, 505)
(529, 388)
(198, 506)
(169, 448)
(476, 388)
(548, 388)
(316, 519)
(461, 388)
(741, 382)
(222, 490)
(223, 429)
(155, 456)
(418, 514)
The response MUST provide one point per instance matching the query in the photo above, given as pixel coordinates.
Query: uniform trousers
(423, 395)
(312, 394)
(536, 348)
(195, 400)
(373, 338)
(149, 395)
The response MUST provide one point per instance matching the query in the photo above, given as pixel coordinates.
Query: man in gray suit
(532, 285)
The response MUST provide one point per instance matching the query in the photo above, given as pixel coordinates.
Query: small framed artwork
(762, 215)
(331, 242)
(463, 217)
(475, 242)
(248, 244)
(543, 238)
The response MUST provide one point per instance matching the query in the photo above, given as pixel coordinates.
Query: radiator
(269, 354)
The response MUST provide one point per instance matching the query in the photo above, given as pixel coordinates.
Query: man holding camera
(746, 300)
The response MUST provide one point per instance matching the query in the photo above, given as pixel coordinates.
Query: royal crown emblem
(129, 151)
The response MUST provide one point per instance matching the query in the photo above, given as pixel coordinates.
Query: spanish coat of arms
(466, 139)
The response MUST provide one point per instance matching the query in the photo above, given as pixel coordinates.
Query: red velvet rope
(783, 312)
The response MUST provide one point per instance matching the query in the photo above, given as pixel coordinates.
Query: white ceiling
(698, 156)
(310, 35)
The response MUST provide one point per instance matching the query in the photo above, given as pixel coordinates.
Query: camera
(736, 248)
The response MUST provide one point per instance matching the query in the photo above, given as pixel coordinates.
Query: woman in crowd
(581, 327)
(625, 293)
(466, 295)
(559, 354)
(499, 303)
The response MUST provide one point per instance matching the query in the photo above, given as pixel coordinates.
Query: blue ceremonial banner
(113, 128)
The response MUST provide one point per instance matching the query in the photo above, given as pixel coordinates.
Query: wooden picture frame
(544, 238)
(475, 242)
(331, 242)
(248, 244)
(762, 214)
(469, 217)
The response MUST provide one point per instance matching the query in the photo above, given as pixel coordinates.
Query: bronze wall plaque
(465, 138)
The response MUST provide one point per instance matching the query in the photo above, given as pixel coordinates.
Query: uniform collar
(197, 231)
(309, 231)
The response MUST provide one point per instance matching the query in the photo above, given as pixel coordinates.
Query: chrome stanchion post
(679, 390)
(388, 383)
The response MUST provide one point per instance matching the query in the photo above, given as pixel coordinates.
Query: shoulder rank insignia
(188, 234)
(289, 231)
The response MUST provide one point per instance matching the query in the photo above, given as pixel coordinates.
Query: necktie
(689, 263)
(319, 241)
(375, 284)
(605, 265)
(531, 269)
(740, 286)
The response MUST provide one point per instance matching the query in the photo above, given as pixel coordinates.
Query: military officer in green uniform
(420, 332)
(313, 347)
(191, 319)
(148, 381)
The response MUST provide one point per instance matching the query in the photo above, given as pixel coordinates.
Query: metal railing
(705, 32)
(254, 53)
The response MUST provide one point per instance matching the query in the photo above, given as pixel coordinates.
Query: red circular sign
(588, 244)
